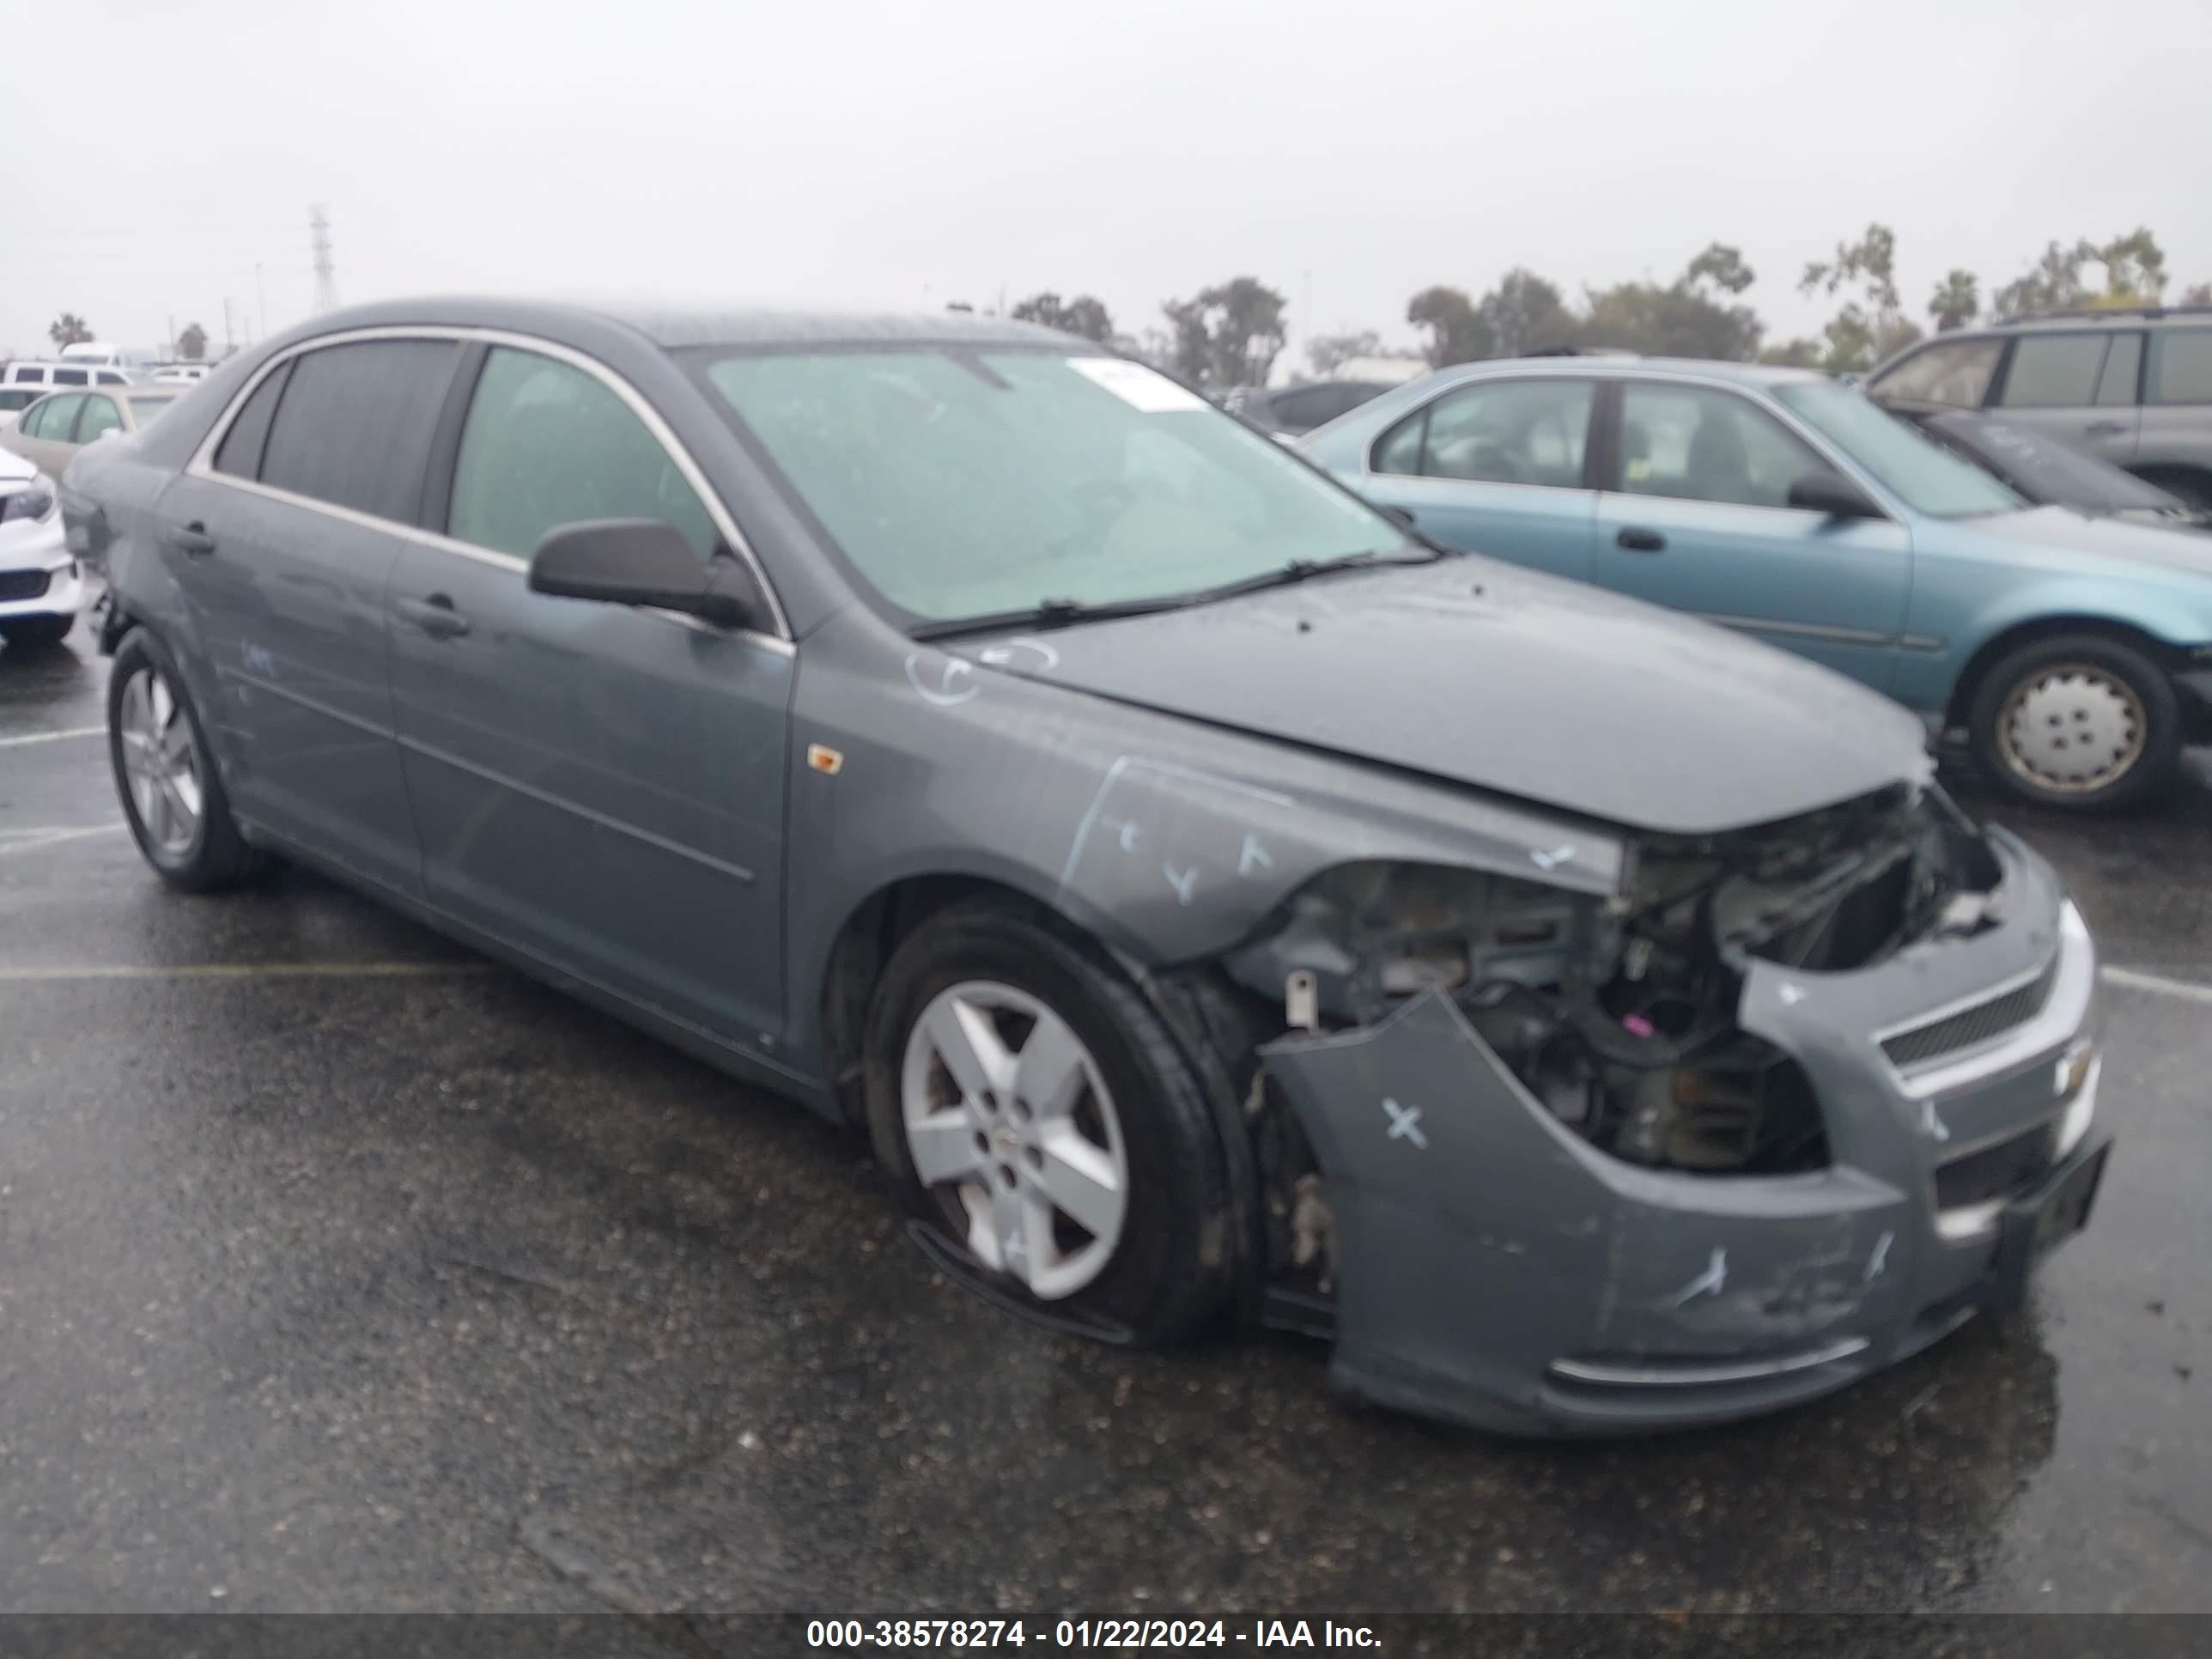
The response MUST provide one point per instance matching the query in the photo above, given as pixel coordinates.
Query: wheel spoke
(967, 1042)
(176, 743)
(164, 706)
(1048, 1075)
(1080, 1178)
(943, 1148)
(1023, 1227)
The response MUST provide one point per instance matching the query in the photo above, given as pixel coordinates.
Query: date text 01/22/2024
(1107, 1633)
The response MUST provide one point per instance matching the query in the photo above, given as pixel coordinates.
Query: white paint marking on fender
(1710, 1282)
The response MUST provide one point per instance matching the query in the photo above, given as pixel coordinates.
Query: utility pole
(228, 340)
(261, 291)
(326, 280)
(170, 350)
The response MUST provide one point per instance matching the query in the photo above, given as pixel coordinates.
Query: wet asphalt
(340, 1271)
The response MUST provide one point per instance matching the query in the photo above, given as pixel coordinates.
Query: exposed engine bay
(1619, 1014)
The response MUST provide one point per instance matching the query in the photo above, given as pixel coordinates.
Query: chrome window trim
(202, 464)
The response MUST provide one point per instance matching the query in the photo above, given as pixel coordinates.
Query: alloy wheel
(160, 762)
(1013, 1131)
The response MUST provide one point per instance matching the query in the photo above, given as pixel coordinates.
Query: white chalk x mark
(1552, 860)
(1253, 857)
(1405, 1123)
(1791, 996)
(1880, 1259)
(1185, 882)
(1931, 1122)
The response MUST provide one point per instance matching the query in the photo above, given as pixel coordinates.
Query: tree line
(1232, 333)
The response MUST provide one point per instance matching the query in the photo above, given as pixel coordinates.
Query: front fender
(1168, 840)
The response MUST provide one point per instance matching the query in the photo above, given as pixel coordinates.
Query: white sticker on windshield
(1136, 386)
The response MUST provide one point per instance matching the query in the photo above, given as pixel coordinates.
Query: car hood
(1505, 680)
(2070, 535)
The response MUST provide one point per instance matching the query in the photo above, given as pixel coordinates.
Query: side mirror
(636, 561)
(1832, 493)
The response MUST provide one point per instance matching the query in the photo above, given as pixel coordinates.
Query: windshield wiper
(1048, 613)
(1067, 613)
(1299, 570)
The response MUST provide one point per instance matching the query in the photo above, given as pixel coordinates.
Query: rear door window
(52, 419)
(2054, 371)
(546, 444)
(71, 377)
(2181, 367)
(353, 426)
(1531, 432)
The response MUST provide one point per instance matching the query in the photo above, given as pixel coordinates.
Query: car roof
(2092, 317)
(1584, 364)
(674, 324)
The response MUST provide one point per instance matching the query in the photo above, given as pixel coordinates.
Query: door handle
(1641, 541)
(191, 539)
(434, 615)
(2106, 428)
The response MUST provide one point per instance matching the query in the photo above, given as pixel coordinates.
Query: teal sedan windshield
(1925, 478)
(961, 483)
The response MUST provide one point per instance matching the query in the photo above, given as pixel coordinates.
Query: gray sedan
(1210, 901)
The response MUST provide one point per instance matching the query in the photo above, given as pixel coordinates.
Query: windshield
(2048, 470)
(963, 483)
(1918, 472)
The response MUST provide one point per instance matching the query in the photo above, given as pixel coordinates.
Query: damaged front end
(1555, 1158)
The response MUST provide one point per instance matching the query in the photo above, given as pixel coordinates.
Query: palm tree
(68, 329)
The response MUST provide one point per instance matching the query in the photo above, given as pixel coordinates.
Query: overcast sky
(164, 153)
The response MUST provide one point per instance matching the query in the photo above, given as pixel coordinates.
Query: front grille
(24, 584)
(1970, 1027)
(2009, 1167)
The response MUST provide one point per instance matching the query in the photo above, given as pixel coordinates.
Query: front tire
(2080, 722)
(172, 797)
(1040, 1125)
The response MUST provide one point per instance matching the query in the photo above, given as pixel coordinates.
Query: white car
(180, 374)
(41, 586)
(47, 375)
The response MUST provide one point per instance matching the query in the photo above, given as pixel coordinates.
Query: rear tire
(2078, 722)
(32, 633)
(1040, 1127)
(173, 799)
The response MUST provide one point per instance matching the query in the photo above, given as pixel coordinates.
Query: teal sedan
(2074, 654)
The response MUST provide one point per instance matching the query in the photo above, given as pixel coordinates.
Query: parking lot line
(240, 970)
(23, 841)
(2158, 984)
(54, 737)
